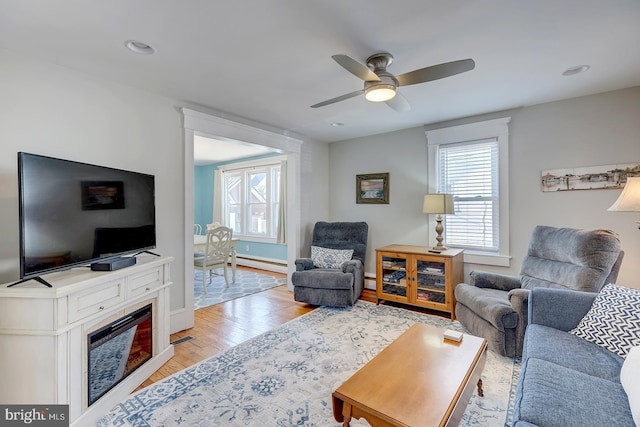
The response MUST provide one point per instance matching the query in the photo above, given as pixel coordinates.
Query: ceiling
(269, 60)
(215, 150)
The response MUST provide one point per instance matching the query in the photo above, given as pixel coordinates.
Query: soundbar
(113, 264)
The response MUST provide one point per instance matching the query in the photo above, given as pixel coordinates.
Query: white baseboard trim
(370, 283)
(268, 264)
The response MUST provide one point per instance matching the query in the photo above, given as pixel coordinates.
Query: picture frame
(588, 177)
(372, 188)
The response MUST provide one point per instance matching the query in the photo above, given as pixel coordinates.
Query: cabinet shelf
(413, 275)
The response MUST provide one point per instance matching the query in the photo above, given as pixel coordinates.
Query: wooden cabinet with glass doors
(413, 275)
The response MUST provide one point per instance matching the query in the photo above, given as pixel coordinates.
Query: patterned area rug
(247, 283)
(285, 377)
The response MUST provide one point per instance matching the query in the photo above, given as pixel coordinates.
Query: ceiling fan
(381, 86)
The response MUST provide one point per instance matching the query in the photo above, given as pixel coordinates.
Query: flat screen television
(74, 214)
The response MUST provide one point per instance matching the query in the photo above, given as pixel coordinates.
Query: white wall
(587, 131)
(50, 110)
(403, 155)
(314, 191)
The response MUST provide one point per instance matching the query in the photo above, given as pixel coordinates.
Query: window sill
(256, 239)
(484, 258)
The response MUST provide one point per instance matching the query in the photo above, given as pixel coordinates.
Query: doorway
(201, 124)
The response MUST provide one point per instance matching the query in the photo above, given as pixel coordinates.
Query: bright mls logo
(34, 415)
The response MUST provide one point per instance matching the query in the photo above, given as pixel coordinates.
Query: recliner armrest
(559, 308)
(351, 266)
(304, 264)
(486, 279)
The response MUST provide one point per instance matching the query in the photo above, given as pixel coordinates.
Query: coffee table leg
(480, 390)
(346, 412)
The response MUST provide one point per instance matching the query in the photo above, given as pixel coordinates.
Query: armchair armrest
(352, 266)
(559, 308)
(304, 264)
(485, 279)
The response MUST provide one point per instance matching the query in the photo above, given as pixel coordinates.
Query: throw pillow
(329, 258)
(630, 380)
(613, 322)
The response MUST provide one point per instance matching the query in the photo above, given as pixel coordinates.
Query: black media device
(75, 214)
(113, 264)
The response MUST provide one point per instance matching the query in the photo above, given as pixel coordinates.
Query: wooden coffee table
(420, 379)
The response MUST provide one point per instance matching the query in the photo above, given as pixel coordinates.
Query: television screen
(75, 213)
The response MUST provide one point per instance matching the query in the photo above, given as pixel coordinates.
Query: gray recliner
(338, 287)
(495, 306)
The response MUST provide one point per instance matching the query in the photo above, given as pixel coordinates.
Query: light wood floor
(222, 326)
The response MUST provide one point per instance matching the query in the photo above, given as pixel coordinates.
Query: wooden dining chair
(216, 254)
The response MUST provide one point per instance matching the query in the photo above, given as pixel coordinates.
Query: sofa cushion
(630, 379)
(553, 345)
(550, 394)
(323, 278)
(613, 321)
(329, 258)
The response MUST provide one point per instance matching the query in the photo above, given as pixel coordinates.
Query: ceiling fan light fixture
(380, 92)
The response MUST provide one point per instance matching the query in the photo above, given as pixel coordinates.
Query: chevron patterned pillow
(613, 322)
(329, 258)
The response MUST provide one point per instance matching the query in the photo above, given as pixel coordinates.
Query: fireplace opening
(117, 350)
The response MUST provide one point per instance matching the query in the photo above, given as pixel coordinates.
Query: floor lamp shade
(438, 204)
(629, 200)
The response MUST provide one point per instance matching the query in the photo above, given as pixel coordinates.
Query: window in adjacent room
(251, 201)
(471, 162)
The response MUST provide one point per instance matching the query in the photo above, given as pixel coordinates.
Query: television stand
(37, 279)
(47, 331)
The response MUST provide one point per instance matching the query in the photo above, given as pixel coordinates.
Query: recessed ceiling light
(576, 70)
(139, 47)
(337, 124)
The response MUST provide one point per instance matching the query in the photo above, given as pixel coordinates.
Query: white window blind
(469, 171)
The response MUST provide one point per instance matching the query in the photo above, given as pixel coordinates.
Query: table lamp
(438, 204)
(629, 200)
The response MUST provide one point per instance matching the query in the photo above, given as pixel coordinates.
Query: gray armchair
(340, 286)
(495, 306)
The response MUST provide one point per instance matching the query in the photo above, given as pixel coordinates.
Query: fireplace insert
(118, 349)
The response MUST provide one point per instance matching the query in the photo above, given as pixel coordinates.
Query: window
(251, 199)
(469, 171)
(471, 162)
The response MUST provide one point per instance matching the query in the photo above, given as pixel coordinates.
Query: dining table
(200, 245)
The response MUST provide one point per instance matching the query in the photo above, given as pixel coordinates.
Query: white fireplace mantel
(43, 333)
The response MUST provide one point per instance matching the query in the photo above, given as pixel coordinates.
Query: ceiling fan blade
(399, 103)
(435, 72)
(338, 99)
(356, 68)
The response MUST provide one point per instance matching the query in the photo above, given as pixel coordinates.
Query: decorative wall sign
(372, 188)
(588, 178)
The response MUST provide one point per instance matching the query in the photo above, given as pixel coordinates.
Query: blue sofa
(566, 380)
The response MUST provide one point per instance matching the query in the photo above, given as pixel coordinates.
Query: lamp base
(439, 248)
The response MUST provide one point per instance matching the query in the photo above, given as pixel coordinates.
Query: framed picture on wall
(372, 188)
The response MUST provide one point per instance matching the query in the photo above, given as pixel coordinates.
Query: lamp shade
(629, 200)
(438, 204)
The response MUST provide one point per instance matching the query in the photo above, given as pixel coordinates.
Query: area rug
(247, 283)
(285, 377)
